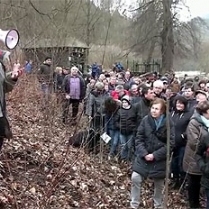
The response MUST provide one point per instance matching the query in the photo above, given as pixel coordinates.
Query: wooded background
(151, 31)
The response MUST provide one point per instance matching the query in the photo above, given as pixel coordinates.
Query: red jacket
(115, 94)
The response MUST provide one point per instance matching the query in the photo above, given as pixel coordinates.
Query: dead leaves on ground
(39, 171)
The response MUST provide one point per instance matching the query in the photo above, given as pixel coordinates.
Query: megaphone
(10, 38)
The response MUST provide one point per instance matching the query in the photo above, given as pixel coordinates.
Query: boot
(195, 205)
(176, 184)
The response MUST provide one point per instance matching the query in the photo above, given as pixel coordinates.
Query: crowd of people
(132, 111)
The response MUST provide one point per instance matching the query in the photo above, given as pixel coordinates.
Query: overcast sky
(196, 8)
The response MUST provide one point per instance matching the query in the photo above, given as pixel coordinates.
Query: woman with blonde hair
(58, 70)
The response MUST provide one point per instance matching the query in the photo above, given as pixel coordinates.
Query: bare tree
(145, 30)
(159, 32)
(167, 46)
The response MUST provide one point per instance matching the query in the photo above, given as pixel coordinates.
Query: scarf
(158, 121)
(205, 121)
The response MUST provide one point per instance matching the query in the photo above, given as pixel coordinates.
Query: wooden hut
(64, 52)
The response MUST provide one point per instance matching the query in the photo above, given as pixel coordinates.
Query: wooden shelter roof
(52, 43)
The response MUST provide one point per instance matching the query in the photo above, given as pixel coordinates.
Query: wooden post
(168, 153)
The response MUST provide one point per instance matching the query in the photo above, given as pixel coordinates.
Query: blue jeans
(126, 146)
(114, 134)
(45, 88)
(47, 91)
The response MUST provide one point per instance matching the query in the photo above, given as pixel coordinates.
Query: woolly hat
(164, 79)
(74, 68)
(126, 98)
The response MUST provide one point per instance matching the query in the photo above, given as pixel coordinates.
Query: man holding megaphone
(7, 81)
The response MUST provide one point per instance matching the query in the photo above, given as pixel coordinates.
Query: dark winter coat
(58, 81)
(191, 104)
(126, 120)
(87, 138)
(181, 120)
(172, 102)
(152, 141)
(96, 109)
(135, 99)
(142, 109)
(202, 157)
(110, 121)
(111, 87)
(45, 74)
(95, 106)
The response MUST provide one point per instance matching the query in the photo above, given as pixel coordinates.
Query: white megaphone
(10, 38)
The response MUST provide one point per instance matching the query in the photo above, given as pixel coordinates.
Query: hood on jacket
(126, 98)
(182, 99)
(197, 117)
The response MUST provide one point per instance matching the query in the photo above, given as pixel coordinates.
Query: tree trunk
(149, 55)
(88, 30)
(167, 48)
(150, 52)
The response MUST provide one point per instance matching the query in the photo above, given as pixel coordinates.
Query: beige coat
(196, 130)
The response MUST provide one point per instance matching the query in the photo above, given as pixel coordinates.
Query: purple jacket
(67, 84)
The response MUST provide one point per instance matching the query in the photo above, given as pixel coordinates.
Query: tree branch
(144, 6)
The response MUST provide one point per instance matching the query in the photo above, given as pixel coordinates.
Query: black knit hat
(47, 58)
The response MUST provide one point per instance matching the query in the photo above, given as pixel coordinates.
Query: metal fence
(141, 68)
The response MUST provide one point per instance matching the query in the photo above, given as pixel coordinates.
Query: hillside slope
(39, 171)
